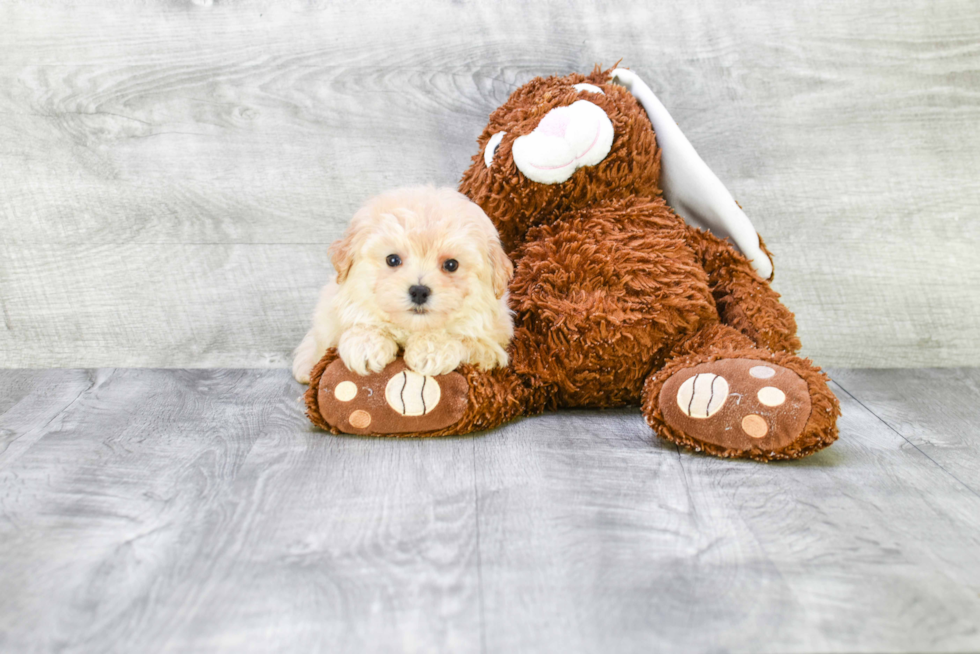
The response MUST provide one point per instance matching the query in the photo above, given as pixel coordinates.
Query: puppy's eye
(393, 260)
(450, 265)
(491, 148)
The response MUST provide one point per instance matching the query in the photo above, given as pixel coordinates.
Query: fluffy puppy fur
(437, 242)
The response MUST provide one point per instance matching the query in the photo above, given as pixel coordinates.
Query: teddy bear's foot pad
(737, 404)
(394, 401)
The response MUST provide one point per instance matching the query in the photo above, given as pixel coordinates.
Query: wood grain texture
(935, 411)
(171, 171)
(196, 510)
(606, 541)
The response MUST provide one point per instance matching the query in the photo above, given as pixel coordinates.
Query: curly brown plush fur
(614, 295)
(514, 203)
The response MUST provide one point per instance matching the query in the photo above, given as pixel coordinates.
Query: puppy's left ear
(501, 267)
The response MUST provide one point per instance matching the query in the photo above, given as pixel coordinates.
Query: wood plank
(594, 538)
(15, 385)
(32, 402)
(878, 544)
(198, 511)
(195, 510)
(935, 411)
(155, 128)
(188, 314)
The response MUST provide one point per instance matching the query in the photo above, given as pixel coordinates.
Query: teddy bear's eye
(590, 88)
(492, 147)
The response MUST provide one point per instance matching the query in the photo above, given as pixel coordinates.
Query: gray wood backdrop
(172, 171)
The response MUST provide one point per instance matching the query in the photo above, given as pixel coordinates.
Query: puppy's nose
(420, 294)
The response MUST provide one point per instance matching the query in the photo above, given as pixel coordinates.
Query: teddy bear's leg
(744, 300)
(720, 393)
(400, 402)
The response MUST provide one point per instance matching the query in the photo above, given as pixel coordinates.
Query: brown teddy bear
(617, 300)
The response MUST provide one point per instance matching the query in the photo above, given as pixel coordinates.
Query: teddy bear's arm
(745, 301)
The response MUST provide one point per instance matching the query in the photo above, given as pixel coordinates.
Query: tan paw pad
(755, 426)
(360, 419)
(412, 394)
(701, 396)
(345, 391)
(771, 396)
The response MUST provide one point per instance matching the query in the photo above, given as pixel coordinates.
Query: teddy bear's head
(559, 144)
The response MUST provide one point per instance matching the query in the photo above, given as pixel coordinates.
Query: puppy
(419, 270)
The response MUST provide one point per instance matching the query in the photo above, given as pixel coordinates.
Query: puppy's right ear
(342, 257)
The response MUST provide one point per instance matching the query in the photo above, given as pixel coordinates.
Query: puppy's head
(421, 257)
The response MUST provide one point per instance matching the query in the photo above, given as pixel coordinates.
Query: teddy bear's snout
(566, 139)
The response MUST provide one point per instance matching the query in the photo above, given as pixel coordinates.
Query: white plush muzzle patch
(566, 139)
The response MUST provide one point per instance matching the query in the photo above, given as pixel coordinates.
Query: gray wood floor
(194, 511)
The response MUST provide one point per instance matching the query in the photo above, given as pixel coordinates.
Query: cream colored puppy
(419, 270)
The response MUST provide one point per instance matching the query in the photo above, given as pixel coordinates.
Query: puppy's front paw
(430, 354)
(305, 357)
(366, 350)
(485, 355)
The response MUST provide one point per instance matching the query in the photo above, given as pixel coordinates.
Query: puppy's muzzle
(420, 294)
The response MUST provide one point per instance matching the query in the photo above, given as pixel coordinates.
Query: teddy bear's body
(601, 294)
(617, 300)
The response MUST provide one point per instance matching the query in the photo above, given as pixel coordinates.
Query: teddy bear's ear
(693, 191)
